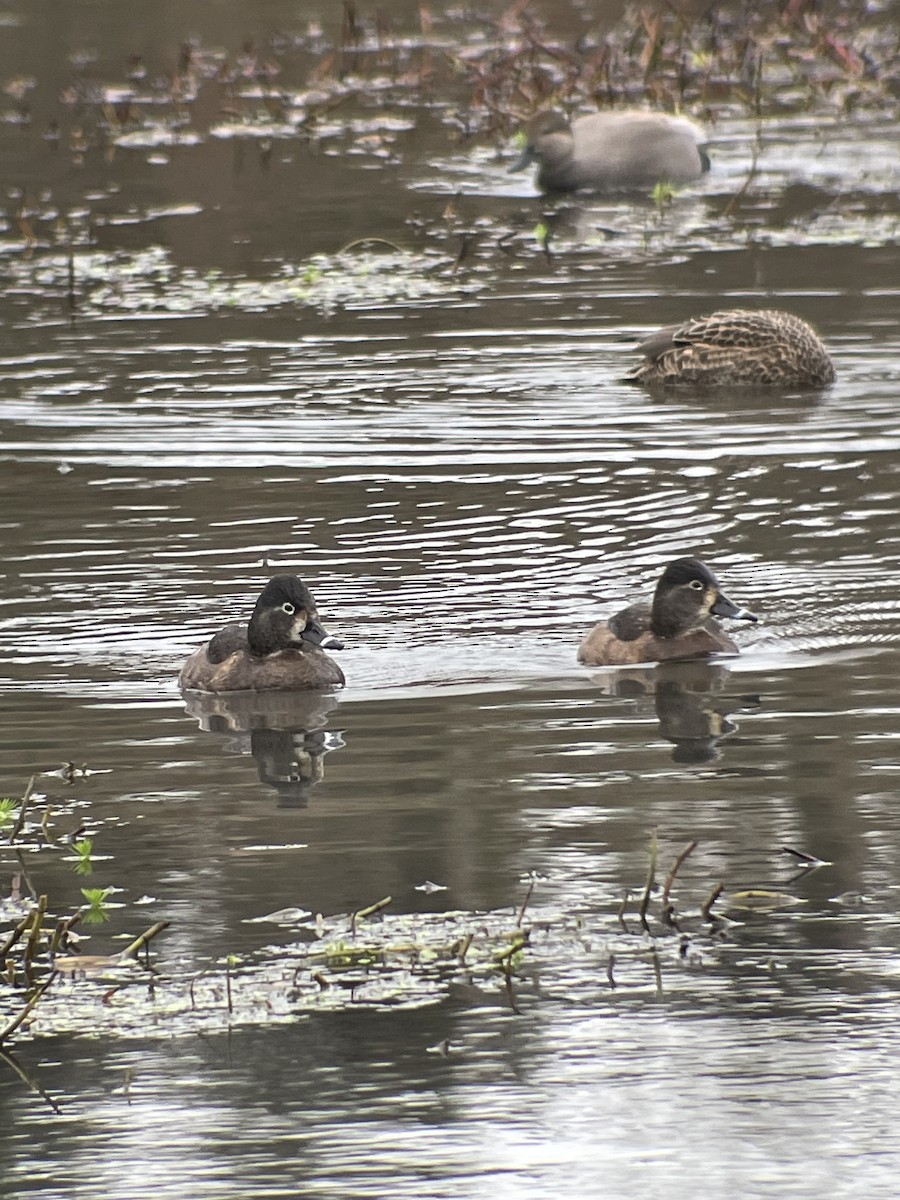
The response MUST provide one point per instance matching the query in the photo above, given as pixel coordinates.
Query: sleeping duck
(282, 648)
(680, 623)
(736, 347)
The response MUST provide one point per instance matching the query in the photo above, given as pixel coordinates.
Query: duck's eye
(288, 608)
(696, 584)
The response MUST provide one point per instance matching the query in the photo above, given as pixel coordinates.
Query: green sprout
(96, 911)
(83, 849)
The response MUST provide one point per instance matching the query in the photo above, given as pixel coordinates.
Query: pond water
(432, 429)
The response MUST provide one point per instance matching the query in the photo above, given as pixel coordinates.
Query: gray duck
(612, 151)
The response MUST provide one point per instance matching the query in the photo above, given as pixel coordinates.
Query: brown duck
(736, 348)
(680, 622)
(281, 649)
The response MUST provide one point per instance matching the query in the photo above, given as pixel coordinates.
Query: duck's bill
(723, 607)
(522, 162)
(317, 635)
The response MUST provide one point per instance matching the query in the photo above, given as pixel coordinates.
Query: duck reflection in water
(693, 714)
(285, 732)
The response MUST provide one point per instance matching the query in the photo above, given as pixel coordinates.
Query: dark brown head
(687, 596)
(285, 617)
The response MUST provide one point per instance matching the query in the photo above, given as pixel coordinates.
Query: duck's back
(737, 347)
(309, 669)
(622, 150)
(627, 638)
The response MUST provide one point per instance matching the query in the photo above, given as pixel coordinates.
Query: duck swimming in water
(736, 348)
(679, 623)
(281, 649)
(613, 151)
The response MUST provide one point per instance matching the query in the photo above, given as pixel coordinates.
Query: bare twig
(17, 1020)
(706, 907)
(525, 903)
(361, 913)
(15, 934)
(6, 1057)
(20, 820)
(670, 878)
(147, 936)
(651, 879)
(801, 854)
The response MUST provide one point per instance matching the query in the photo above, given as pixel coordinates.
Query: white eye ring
(696, 584)
(288, 608)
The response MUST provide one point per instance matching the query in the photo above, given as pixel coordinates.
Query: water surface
(445, 450)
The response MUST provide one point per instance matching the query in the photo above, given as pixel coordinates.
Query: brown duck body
(285, 670)
(679, 624)
(279, 650)
(609, 645)
(612, 151)
(736, 348)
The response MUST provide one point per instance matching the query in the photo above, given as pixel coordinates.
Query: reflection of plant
(7, 808)
(83, 849)
(96, 911)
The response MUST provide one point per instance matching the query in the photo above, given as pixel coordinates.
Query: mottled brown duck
(736, 348)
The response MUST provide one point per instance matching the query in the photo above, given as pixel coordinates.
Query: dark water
(448, 456)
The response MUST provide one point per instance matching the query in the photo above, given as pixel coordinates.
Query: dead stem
(16, 934)
(20, 820)
(17, 1020)
(37, 922)
(531, 884)
(706, 907)
(657, 971)
(6, 1057)
(676, 866)
(61, 933)
(147, 936)
(361, 913)
(651, 879)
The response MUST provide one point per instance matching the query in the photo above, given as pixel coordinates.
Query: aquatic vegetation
(83, 849)
(372, 958)
(760, 60)
(149, 281)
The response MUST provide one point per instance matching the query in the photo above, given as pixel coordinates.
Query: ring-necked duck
(680, 623)
(612, 151)
(280, 649)
(736, 347)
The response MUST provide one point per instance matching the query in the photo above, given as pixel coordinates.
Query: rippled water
(447, 454)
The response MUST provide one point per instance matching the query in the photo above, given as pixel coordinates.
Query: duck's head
(285, 616)
(541, 126)
(687, 595)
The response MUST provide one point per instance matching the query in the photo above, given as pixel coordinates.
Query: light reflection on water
(467, 485)
(463, 518)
